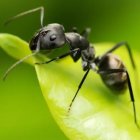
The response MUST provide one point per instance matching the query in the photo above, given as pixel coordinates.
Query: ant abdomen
(115, 81)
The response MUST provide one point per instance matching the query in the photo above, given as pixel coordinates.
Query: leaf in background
(97, 113)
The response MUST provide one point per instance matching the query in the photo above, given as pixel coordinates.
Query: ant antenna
(15, 64)
(21, 60)
(41, 9)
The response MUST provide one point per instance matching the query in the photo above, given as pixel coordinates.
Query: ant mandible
(111, 69)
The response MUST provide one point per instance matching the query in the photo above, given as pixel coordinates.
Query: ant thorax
(77, 41)
(88, 57)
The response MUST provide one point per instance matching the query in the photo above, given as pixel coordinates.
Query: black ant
(111, 69)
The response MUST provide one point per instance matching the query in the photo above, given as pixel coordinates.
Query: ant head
(51, 37)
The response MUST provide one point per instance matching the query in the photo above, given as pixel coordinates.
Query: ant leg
(74, 29)
(116, 47)
(110, 71)
(79, 87)
(41, 9)
(86, 32)
(58, 57)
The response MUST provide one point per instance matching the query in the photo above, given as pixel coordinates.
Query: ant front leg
(118, 46)
(111, 71)
(59, 57)
(79, 87)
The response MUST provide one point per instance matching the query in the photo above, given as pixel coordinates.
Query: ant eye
(52, 37)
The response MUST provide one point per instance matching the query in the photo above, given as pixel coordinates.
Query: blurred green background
(23, 112)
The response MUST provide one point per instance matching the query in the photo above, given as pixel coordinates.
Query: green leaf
(97, 113)
(15, 47)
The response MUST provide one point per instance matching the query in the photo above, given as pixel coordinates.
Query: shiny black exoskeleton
(108, 66)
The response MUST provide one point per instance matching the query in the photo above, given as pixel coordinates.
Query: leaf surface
(97, 113)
